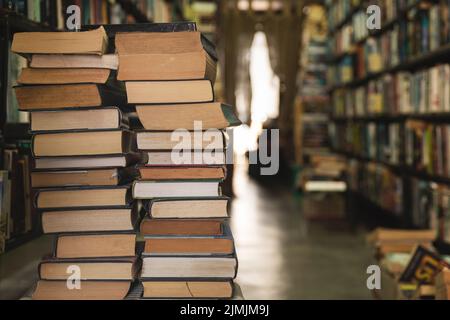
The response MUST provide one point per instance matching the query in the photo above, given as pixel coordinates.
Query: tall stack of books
(189, 250)
(82, 149)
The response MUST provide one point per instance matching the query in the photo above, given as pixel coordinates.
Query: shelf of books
(390, 95)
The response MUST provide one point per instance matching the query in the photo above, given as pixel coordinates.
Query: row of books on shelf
(421, 146)
(53, 12)
(412, 268)
(17, 215)
(425, 31)
(339, 11)
(378, 184)
(98, 181)
(403, 93)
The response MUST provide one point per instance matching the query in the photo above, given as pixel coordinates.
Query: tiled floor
(281, 256)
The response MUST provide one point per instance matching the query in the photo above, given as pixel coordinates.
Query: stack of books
(82, 149)
(189, 250)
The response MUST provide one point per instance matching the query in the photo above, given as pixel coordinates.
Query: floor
(281, 254)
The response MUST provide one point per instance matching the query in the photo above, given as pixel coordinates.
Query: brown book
(188, 267)
(86, 143)
(95, 246)
(397, 235)
(158, 42)
(90, 290)
(90, 119)
(186, 158)
(106, 61)
(400, 247)
(63, 76)
(86, 42)
(181, 227)
(443, 278)
(188, 246)
(187, 289)
(182, 173)
(82, 197)
(98, 177)
(181, 66)
(165, 140)
(96, 269)
(188, 208)
(211, 115)
(89, 220)
(60, 96)
(157, 92)
(90, 162)
(443, 293)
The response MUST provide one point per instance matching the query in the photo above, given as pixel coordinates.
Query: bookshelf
(370, 126)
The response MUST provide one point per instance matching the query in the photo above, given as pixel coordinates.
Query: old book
(85, 95)
(122, 219)
(82, 197)
(395, 235)
(189, 245)
(84, 143)
(211, 115)
(92, 162)
(157, 92)
(176, 140)
(189, 267)
(181, 227)
(180, 66)
(171, 189)
(106, 61)
(158, 42)
(89, 119)
(180, 173)
(86, 42)
(98, 177)
(187, 289)
(75, 246)
(95, 269)
(90, 290)
(186, 158)
(63, 76)
(188, 208)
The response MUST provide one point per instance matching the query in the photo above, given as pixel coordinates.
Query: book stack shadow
(189, 249)
(84, 154)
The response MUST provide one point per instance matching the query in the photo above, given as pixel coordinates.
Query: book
(159, 289)
(188, 267)
(181, 66)
(32, 76)
(182, 173)
(88, 119)
(181, 227)
(122, 269)
(383, 235)
(181, 140)
(188, 208)
(60, 61)
(212, 115)
(98, 177)
(82, 197)
(87, 42)
(50, 97)
(186, 158)
(172, 189)
(90, 162)
(157, 92)
(90, 290)
(423, 267)
(83, 143)
(109, 245)
(74, 220)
